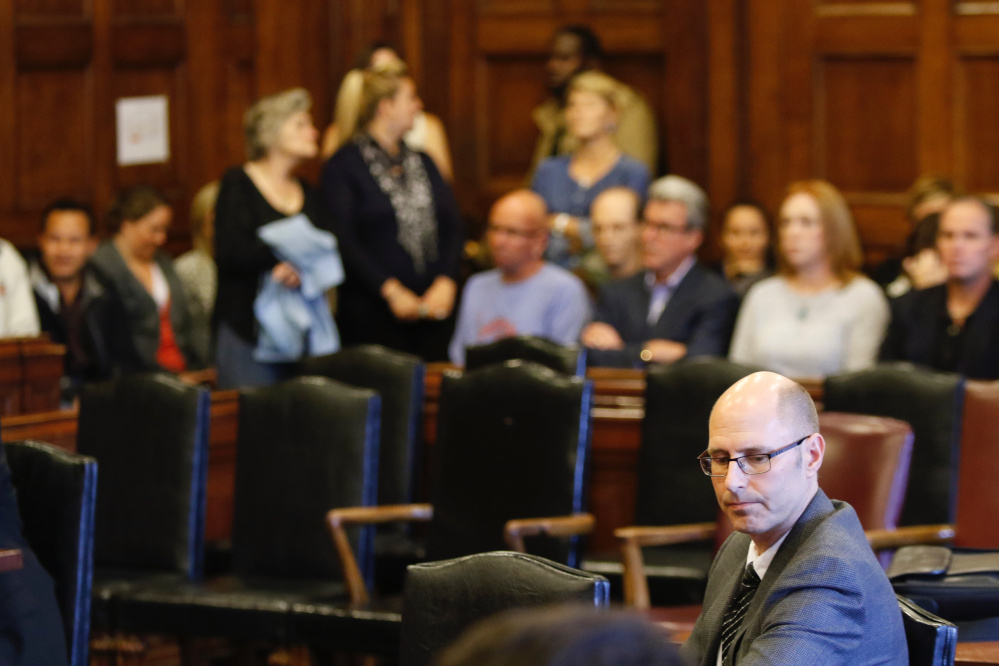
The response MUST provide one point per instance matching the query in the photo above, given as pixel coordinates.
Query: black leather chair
(399, 380)
(931, 403)
(671, 489)
(56, 493)
(570, 359)
(932, 640)
(442, 599)
(304, 446)
(149, 434)
(512, 443)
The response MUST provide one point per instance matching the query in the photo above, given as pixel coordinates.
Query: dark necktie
(737, 609)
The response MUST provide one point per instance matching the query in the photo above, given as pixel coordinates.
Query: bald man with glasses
(797, 583)
(524, 294)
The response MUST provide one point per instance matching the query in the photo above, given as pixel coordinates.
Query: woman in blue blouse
(570, 183)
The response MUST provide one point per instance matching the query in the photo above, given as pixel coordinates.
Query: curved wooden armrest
(664, 535)
(910, 536)
(337, 521)
(560, 526)
(633, 539)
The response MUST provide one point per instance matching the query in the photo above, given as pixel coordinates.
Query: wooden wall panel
(53, 122)
(977, 137)
(50, 8)
(64, 63)
(865, 110)
(507, 94)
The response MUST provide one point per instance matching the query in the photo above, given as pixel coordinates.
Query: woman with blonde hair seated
(818, 316)
(427, 133)
(570, 183)
(396, 220)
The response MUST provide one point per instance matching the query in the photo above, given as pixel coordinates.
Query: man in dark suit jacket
(675, 307)
(819, 595)
(954, 326)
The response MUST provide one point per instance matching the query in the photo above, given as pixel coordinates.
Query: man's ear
(91, 245)
(814, 452)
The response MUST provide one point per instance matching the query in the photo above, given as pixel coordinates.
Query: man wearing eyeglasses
(524, 294)
(675, 307)
(797, 583)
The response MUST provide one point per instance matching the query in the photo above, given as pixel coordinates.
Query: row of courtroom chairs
(56, 492)
(524, 427)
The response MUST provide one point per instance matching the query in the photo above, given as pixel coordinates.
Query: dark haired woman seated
(151, 325)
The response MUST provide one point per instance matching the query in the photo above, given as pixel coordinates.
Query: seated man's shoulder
(620, 286)
(709, 283)
(562, 279)
(838, 547)
(482, 280)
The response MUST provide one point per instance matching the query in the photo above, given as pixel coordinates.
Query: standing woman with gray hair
(396, 220)
(279, 136)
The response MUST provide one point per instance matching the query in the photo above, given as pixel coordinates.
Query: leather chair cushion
(243, 609)
(929, 402)
(932, 640)
(512, 442)
(56, 493)
(371, 628)
(570, 360)
(149, 436)
(442, 599)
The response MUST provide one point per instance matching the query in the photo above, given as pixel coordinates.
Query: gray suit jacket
(700, 314)
(824, 599)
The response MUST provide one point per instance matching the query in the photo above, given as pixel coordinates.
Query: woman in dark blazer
(396, 221)
(151, 325)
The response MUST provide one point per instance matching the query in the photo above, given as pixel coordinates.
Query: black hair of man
(68, 205)
(590, 49)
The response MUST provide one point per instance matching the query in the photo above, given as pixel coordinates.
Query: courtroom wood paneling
(50, 8)
(52, 108)
(507, 92)
(64, 63)
(977, 136)
(865, 110)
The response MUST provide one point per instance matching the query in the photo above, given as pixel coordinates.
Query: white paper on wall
(143, 130)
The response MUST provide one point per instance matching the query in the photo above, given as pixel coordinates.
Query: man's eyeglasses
(664, 230)
(754, 463)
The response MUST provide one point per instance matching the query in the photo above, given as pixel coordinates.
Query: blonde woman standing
(396, 220)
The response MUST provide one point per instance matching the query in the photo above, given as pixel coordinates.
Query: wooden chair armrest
(559, 526)
(664, 535)
(909, 536)
(337, 520)
(633, 539)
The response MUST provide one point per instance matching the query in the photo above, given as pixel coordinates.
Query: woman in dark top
(397, 223)
(151, 325)
(279, 136)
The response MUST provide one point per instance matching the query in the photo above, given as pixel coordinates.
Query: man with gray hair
(675, 307)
